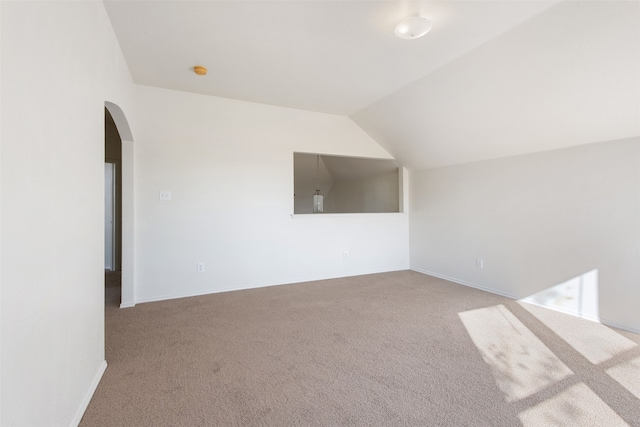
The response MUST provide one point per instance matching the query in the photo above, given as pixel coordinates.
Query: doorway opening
(119, 153)
(113, 209)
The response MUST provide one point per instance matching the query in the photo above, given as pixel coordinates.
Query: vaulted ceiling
(492, 79)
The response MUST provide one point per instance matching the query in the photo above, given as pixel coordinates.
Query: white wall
(229, 167)
(536, 220)
(60, 63)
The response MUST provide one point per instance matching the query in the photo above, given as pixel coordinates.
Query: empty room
(316, 212)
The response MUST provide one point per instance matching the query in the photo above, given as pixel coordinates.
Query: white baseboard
(531, 301)
(582, 316)
(264, 285)
(462, 282)
(528, 301)
(127, 304)
(89, 394)
(623, 327)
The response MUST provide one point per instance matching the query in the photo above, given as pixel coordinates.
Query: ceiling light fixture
(413, 27)
(200, 70)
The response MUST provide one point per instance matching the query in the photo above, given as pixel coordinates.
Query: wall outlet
(201, 267)
(345, 255)
(164, 195)
(479, 263)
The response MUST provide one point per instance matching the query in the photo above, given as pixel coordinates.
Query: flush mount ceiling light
(413, 27)
(200, 70)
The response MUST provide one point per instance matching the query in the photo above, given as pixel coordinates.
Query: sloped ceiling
(568, 76)
(492, 79)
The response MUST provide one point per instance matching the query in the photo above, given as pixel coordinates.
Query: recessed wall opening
(124, 173)
(347, 184)
(113, 195)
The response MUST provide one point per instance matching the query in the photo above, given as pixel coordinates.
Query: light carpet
(399, 348)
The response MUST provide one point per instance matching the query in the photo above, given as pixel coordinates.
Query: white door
(109, 215)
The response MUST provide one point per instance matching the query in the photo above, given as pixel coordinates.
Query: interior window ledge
(328, 214)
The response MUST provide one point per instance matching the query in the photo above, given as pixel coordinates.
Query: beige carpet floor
(398, 348)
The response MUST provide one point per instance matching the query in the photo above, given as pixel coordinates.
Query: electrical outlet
(164, 195)
(345, 255)
(479, 263)
(201, 267)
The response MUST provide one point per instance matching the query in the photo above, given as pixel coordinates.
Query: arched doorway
(113, 209)
(126, 171)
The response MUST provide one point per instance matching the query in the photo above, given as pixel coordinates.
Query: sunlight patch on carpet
(595, 341)
(576, 406)
(628, 375)
(521, 364)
